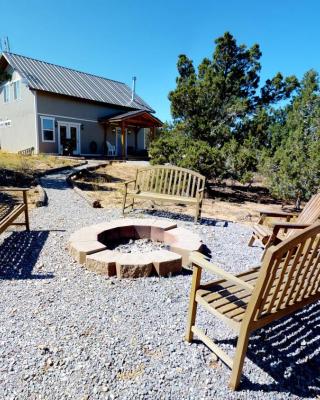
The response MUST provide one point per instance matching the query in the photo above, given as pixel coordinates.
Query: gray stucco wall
(22, 132)
(75, 111)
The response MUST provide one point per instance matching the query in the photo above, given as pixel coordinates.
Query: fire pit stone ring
(92, 246)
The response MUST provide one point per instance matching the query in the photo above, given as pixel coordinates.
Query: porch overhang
(136, 119)
(140, 118)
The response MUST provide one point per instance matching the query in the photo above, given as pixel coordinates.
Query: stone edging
(75, 174)
(90, 246)
(42, 197)
(60, 169)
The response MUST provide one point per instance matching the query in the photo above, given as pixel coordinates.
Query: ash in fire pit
(137, 246)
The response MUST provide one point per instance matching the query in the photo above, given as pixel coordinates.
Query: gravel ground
(67, 333)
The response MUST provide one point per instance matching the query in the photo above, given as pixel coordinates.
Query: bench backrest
(170, 180)
(288, 279)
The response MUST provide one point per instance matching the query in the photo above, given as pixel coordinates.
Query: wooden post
(26, 214)
(136, 130)
(123, 140)
(105, 152)
(152, 133)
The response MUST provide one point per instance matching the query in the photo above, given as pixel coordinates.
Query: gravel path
(67, 333)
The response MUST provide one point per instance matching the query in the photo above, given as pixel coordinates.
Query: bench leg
(124, 201)
(197, 213)
(192, 303)
(26, 214)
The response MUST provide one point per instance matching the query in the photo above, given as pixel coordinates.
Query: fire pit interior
(131, 248)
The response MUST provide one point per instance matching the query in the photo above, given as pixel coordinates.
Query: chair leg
(237, 367)
(251, 241)
(269, 243)
(196, 276)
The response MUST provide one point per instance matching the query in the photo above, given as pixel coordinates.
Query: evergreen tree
(294, 168)
(221, 100)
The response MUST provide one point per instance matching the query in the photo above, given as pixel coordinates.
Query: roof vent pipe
(134, 78)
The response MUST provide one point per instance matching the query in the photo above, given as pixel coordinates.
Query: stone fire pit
(94, 246)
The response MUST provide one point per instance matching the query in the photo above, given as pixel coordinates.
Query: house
(50, 108)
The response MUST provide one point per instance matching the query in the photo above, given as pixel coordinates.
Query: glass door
(74, 138)
(69, 137)
(63, 129)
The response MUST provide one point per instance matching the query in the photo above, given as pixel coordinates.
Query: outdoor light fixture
(82, 126)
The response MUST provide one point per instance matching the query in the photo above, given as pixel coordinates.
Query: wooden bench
(9, 212)
(167, 184)
(288, 280)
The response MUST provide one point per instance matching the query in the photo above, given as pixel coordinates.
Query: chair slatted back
(169, 180)
(309, 214)
(289, 276)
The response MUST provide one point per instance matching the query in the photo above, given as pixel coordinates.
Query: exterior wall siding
(87, 114)
(22, 132)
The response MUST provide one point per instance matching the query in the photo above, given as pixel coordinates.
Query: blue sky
(119, 39)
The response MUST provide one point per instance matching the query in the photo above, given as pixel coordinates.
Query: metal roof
(52, 78)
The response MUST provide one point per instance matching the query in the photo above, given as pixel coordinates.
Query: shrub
(240, 160)
(293, 172)
(176, 149)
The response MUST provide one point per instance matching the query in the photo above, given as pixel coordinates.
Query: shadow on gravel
(19, 253)
(289, 352)
(55, 182)
(186, 218)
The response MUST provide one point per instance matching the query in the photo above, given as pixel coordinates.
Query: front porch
(128, 135)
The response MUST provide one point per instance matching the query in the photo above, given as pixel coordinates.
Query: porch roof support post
(123, 140)
(105, 127)
(136, 130)
(152, 133)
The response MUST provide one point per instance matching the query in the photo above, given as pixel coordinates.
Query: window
(6, 93)
(16, 90)
(5, 124)
(47, 127)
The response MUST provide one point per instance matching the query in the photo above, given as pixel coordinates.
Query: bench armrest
(276, 213)
(127, 182)
(6, 189)
(199, 260)
(201, 190)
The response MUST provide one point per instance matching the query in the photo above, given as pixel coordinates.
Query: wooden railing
(26, 152)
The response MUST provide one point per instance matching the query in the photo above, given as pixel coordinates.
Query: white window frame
(54, 130)
(5, 123)
(18, 81)
(6, 87)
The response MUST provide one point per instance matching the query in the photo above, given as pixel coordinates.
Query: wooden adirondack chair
(288, 280)
(270, 236)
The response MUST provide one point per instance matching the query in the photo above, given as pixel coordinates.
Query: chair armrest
(289, 225)
(199, 260)
(6, 189)
(276, 213)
